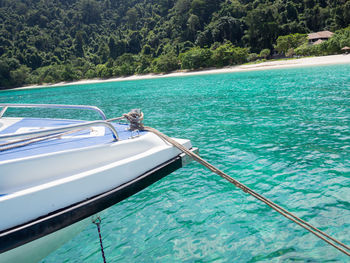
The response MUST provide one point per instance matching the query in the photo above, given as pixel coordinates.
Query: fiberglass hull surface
(35, 186)
(38, 249)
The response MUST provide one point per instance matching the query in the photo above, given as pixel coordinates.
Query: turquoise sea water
(284, 133)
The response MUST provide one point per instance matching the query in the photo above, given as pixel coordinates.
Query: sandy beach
(277, 64)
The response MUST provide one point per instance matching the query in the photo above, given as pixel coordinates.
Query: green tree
(90, 11)
(103, 71)
(195, 58)
(166, 63)
(240, 55)
(33, 59)
(134, 45)
(143, 64)
(265, 53)
(182, 6)
(103, 53)
(69, 73)
(284, 43)
(125, 65)
(146, 50)
(120, 47)
(227, 28)
(45, 35)
(19, 76)
(252, 57)
(132, 17)
(262, 27)
(223, 55)
(113, 48)
(6, 66)
(204, 9)
(193, 23)
(79, 44)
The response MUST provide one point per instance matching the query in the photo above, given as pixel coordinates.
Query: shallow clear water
(284, 133)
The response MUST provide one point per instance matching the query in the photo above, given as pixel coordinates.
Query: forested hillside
(55, 40)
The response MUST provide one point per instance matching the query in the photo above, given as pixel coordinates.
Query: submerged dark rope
(97, 222)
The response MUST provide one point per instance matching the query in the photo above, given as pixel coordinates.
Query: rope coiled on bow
(135, 117)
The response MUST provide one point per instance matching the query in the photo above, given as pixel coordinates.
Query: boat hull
(38, 249)
(56, 173)
(45, 234)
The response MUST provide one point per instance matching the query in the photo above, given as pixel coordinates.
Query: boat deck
(85, 138)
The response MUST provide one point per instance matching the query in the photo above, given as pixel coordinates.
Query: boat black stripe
(40, 227)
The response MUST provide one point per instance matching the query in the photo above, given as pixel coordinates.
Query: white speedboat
(55, 174)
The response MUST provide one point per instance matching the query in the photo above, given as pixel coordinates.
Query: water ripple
(285, 133)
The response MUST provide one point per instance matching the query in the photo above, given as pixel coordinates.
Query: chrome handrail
(5, 106)
(61, 129)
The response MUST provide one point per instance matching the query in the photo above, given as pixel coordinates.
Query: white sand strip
(278, 64)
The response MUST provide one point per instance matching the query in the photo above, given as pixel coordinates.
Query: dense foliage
(61, 40)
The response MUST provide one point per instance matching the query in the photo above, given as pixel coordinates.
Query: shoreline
(267, 65)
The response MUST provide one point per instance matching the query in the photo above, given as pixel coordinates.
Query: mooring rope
(135, 117)
(137, 124)
(97, 222)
